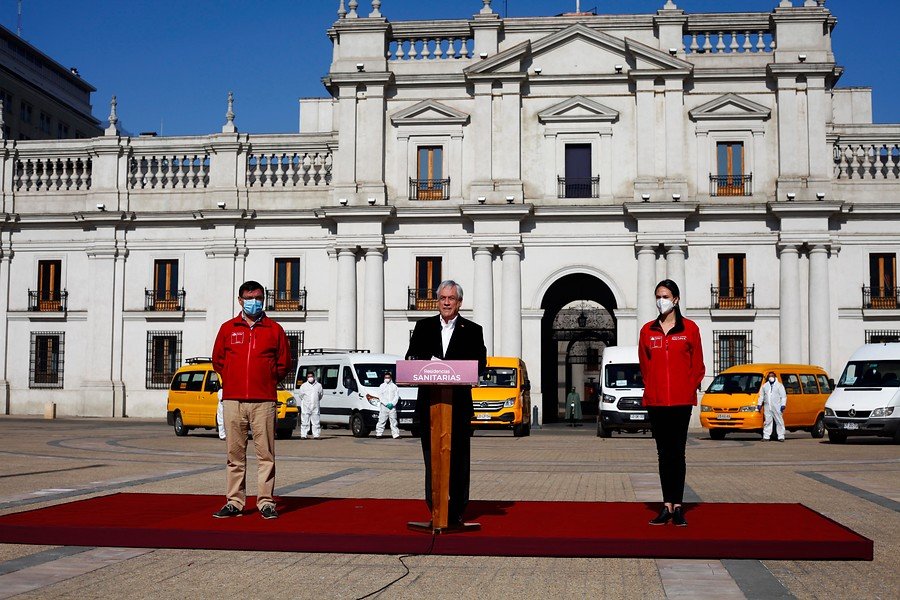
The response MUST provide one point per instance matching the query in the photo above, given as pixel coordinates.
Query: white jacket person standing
(388, 397)
(310, 398)
(772, 399)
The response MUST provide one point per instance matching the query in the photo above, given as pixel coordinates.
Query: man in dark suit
(448, 336)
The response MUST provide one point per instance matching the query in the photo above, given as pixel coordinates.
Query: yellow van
(729, 403)
(502, 399)
(194, 397)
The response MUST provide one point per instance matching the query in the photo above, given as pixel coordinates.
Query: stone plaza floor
(45, 462)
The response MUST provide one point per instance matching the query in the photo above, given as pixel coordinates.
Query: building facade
(557, 167)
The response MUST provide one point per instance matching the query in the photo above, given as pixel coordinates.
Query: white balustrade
(430, 47)
(870, 160)
(289, 169)
(729, 42)
(161, 171)
(42, 174)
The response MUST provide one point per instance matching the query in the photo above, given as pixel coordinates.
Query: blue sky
(171, 63)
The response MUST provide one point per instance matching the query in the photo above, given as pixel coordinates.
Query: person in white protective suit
(773, 400)
(388, 397)
(310, 396)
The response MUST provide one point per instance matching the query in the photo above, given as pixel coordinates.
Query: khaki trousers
(240, 417)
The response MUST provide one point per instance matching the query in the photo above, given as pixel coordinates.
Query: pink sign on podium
(437, 372)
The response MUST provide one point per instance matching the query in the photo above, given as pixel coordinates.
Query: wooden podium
(441, 376)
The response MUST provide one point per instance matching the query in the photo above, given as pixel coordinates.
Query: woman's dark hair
(672, 287)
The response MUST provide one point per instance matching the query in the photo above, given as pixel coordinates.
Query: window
(730, 179)
(791, 383)
(45, 122)
(882, 336)
(327, 375)
(7, 102)
(212, 382)
(25, 111)
(430, 183)
(578, 182)
(883, 280)
(46, 364)
(428, 277)
(731, 348)
(62, 131)
(824, 384)
(809, 384)
(49, 292)
(165, 295)
(295, 341)
(287, 294)
(732, 292)
(163, 358)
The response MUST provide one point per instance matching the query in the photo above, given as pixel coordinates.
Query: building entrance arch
(579, 322)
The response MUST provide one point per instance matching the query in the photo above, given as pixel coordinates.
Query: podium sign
(441, 376)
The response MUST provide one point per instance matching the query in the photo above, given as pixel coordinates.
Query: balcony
(578, 187)
(423, 299)
(286, 300)
(429, 189)
(47, 300)
(722, 298)
(881, 298)
(164, 300)
(731, 185)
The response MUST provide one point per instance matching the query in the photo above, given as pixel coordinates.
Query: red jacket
(671, 364)
(251, 360)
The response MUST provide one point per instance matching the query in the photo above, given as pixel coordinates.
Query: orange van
(502, 399)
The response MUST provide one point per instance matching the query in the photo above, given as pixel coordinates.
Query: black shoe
(229, 510)
(268, 512)
(678, 517)
(662, 518)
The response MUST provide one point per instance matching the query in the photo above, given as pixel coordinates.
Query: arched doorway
(578, 322)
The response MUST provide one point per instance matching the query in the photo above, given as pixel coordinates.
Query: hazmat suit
(773, 400)
(388, 397)
(310, 396)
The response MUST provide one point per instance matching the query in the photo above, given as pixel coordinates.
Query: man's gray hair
(450, 283)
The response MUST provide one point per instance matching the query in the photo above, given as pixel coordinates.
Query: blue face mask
(253, 307)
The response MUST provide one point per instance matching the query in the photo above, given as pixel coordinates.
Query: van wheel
(837, 437)
(601, 431)
(818, 429)
(358, 426)
(180, 429)
(717, 434)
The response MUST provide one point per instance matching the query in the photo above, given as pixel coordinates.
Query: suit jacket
(467, 343)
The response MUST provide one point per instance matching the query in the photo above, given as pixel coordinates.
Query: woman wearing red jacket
(671, 358)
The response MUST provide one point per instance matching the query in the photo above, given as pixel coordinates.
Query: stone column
(675, 140)
(675, 271)
(819, 308)
(5, 259)
(373, 307)
(98, 384)
(820, 159)
(120, 409)
(483, 297)
(645, 127)
(345, 307)
(511, 298)
(646, 279)
(789, 304)
(791, 159)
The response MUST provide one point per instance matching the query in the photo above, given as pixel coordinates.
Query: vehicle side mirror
(831, 383)
(526, 387)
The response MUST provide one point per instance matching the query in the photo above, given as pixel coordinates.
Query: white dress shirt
(447, 331)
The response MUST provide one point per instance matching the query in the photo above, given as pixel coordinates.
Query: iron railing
(423, 299)
(163, 358)
(880, 297)
(48, 300)
(729, 298)
(429, 189)
(164, 300)
(578, 187)
(46, 367)
(731, 348)
(286, 300)
(731, 185)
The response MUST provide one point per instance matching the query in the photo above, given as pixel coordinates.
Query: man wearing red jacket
(252, 355)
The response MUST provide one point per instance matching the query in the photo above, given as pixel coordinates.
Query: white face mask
(664, 305)
(311, 379)
(771, 380)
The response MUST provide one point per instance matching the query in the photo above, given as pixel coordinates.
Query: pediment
(579, 110)
(429, 112)
(730, 106)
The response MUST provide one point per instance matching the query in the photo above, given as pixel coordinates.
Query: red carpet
(378, 526)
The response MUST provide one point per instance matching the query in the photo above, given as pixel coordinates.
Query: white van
(866, 400)
(349, 380)
(621, 393)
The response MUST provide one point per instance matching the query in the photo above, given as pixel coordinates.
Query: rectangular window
(428, 277)
(732, 276)
(7, 102)
(430, 183)
(47, 352)
(62, 131)
(731, 348)
(45, 122)
(25, 111)
(328, 376)
(212, 384)
(883, 280)
(49, 292)
(165, 284)
(824, 384)
(791, 383)
(882, 336)
(295, 341)
(808, 382)
(287, 293)
(578, 182)
(730, 178)
(163, 358)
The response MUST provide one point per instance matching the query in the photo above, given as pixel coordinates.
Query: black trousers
(460, 453)
(670, 425)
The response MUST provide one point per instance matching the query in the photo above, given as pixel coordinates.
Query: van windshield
(871, 373)
(623, 376)
(504, 377)
(371, 375)
(736, 383)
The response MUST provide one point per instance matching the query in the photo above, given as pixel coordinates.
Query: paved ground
(48, 462)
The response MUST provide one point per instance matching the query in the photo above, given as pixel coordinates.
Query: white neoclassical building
(557, 167)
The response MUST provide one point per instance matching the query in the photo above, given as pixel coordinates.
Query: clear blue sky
(171, 63)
